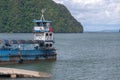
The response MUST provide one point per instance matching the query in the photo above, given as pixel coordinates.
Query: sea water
(85, 56)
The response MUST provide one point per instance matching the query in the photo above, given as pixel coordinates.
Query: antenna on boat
(43, 11)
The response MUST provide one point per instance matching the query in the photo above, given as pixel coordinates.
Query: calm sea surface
(87, 56)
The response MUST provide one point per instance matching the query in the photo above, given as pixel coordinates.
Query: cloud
(95, 12)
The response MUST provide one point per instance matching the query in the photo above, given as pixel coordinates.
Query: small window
(44, 24)
(38, 23)
(47, 45)
(46, 34)
(50, 45)
(50, 34)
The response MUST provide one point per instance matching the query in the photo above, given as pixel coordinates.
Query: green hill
(17, 16)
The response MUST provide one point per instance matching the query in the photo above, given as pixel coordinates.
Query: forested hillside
(17, 16)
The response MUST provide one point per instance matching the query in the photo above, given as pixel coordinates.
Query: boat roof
(21, 41)
(47, 21)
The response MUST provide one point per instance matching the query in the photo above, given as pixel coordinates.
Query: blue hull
(26, 55)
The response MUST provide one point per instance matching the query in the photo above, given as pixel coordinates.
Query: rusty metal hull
(25, 56)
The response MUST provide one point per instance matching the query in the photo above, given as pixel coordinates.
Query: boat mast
(43, 11)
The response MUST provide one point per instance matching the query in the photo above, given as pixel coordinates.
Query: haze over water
(86, 56)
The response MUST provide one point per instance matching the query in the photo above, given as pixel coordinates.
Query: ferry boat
(22, 51)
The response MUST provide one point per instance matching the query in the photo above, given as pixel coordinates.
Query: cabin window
(39, 24)
(50, 34)
(44, 24)
(47, 45)
(46, 34)
(50, 45)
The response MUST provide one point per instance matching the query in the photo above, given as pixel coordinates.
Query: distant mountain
(17, 16)
(103, 31)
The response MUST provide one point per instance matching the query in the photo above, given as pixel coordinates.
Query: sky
(95, 15)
